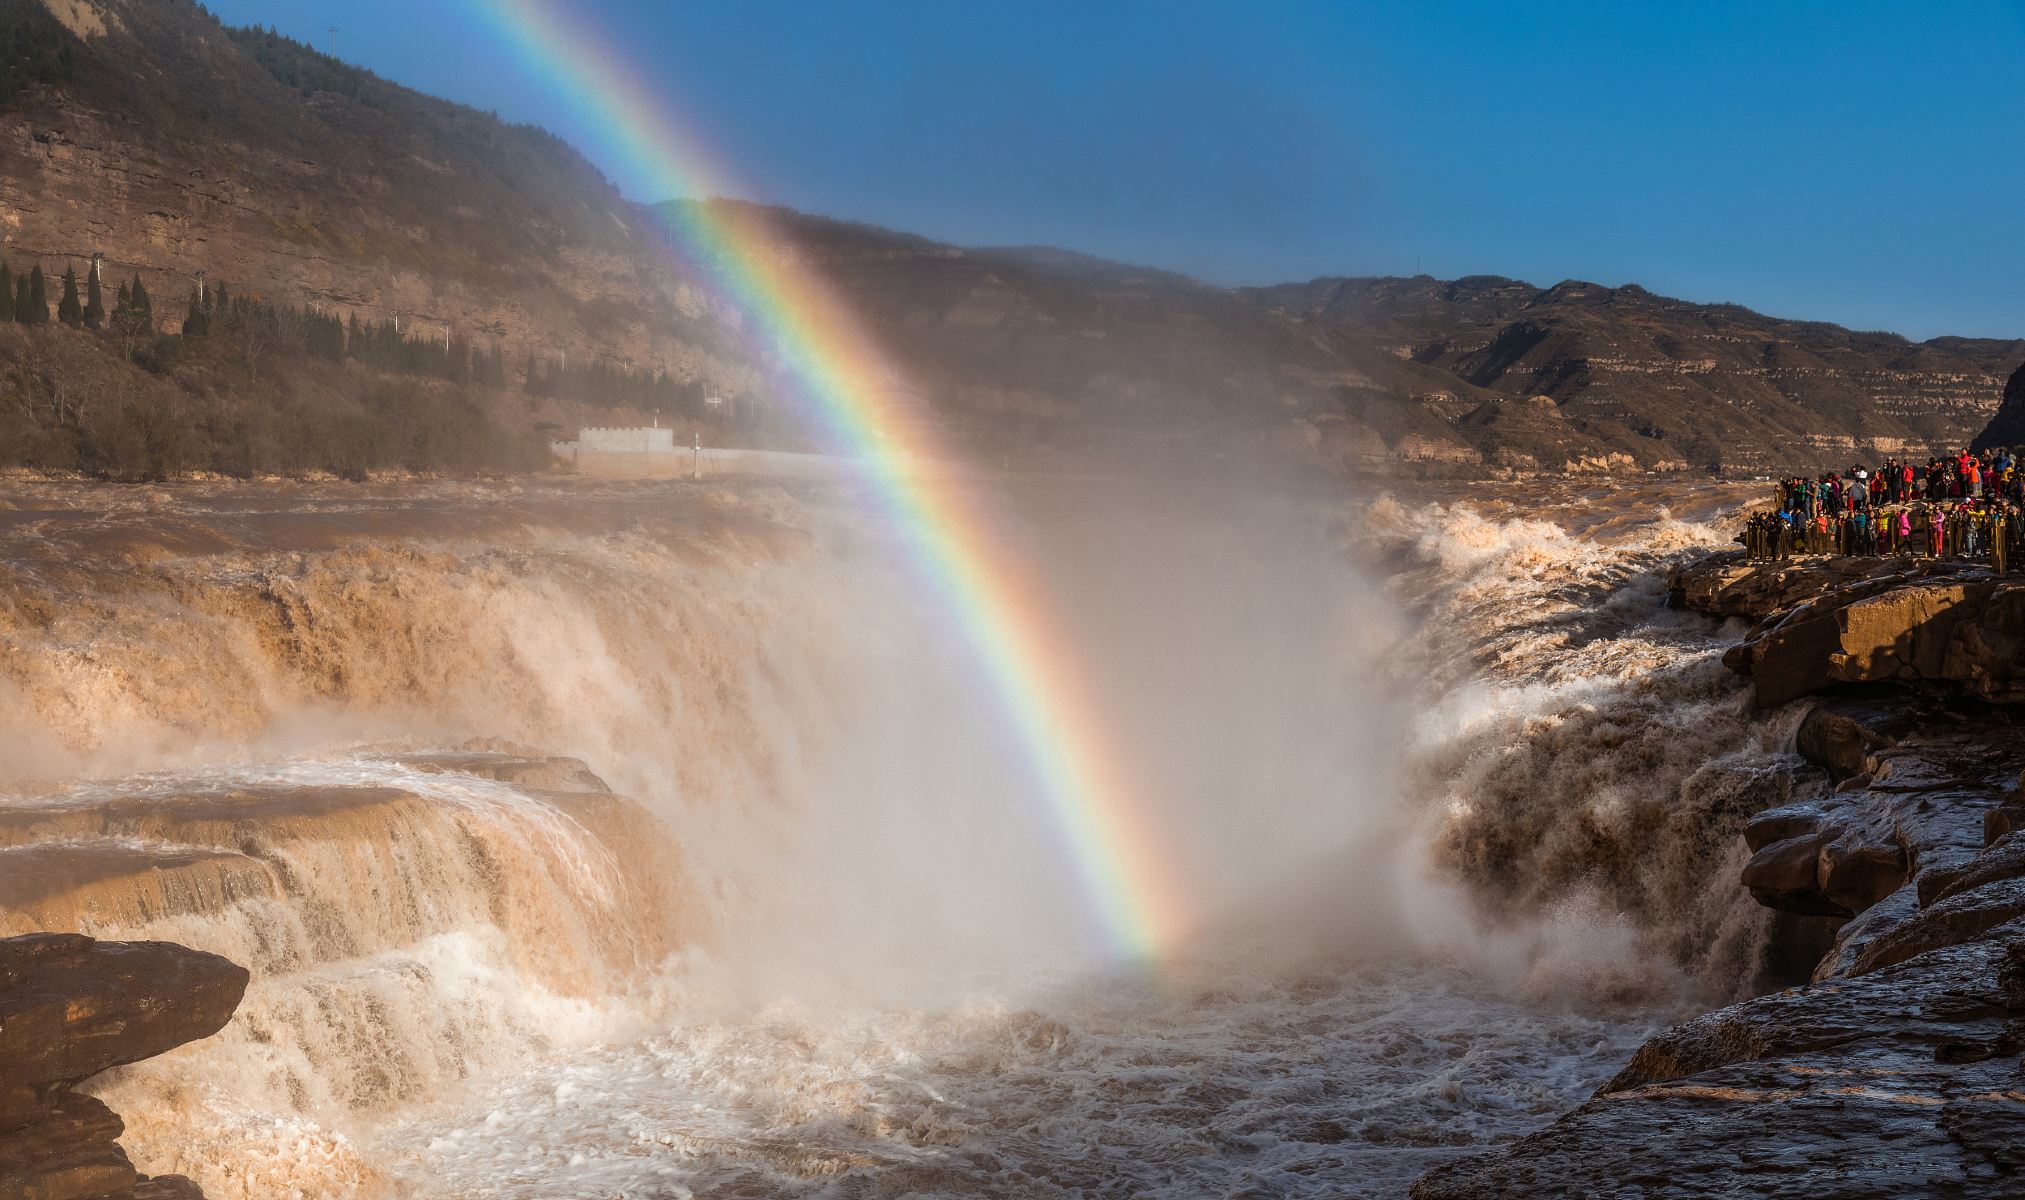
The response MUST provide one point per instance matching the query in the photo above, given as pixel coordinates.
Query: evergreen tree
(68, 310)
(196, 322)
(6, 291)
(221, 304)
(21, 298)
(334, 338)
(38, 297)
(132, 320)
(94, 303)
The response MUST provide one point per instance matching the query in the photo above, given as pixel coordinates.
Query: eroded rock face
(1896, 1073)
(1845, 733)
(1918, 807)
(71, 1007)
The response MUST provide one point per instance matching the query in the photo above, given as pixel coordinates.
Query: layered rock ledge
(1896, 1071)
(71, 1007)
(1827, 621)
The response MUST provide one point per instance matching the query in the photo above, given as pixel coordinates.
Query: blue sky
(1860, 163)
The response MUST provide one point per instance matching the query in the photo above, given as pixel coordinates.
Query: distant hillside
(1653, 377)
(1374, 373)
(145, 131)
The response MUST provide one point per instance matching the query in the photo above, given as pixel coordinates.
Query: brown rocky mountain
(1714, 384)
(146, 131)
(173, 146)
(1362, 373)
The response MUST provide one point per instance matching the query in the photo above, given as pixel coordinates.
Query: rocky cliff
(2007, 428)
(1897, 1070)
(71, 1007)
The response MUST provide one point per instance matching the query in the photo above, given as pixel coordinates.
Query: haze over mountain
(148, 132)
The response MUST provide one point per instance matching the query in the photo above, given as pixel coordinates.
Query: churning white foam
(1347, 1080)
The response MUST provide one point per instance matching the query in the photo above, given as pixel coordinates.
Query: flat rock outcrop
(1731, 585)
(71, 1007)
(1829, 621)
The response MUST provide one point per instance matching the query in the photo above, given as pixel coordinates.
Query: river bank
(1895, 1070)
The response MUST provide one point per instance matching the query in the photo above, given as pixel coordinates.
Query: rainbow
(1100, 817)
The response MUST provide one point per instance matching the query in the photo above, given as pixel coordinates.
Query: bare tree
(252, 344)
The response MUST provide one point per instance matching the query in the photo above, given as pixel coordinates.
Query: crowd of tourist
(1966, 506)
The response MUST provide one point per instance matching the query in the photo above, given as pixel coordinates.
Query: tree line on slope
(244, 388)
(314, 334)
(33, 49)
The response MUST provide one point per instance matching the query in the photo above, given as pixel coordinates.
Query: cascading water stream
(1465, 836)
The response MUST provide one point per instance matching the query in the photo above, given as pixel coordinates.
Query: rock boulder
(71, 1007)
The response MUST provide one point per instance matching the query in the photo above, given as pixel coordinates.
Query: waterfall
(576, 833)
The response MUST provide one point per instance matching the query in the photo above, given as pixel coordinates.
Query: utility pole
(332, 43)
